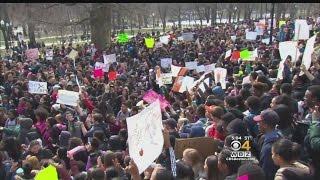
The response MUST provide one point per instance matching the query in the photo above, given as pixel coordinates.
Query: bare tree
(162, 8)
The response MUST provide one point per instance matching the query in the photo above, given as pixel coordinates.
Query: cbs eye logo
(237, 145)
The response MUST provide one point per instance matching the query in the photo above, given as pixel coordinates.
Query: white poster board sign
(306, 59)
(73, 54)
(68, 97)
(100, 65)
(251, 35)
(36, 87)
(220, 75)
(175, 70)
(145, 137)
(109, 59)
(200, 69)
(202, 87)
(192, 65)
(49, 54)
(187, 36)
(228, 53)
(164, 39)
(289, 48)
(233, 38)
(166, 78)
(166, 62)
(301, 30)
(209, 68)
(187, 83)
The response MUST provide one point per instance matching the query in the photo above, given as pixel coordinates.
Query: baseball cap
(269, 116)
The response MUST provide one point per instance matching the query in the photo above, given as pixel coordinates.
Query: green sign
(123, 38)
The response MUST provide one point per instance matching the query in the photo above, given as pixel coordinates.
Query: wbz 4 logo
(240, 150)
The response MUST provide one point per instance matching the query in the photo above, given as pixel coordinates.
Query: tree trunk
(113, 23)
(140, 20)
(31, 34)
(24, 30)
(214, 14)
(163, 15)
(261, 11)
(279, 8)
(100, 21)
(145, 20)
(207, 13)
(5, 37)
(179, 18)
(239, 13)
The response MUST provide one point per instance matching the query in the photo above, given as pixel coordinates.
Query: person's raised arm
(306, 72)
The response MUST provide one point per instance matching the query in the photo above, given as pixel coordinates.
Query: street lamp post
(271, 27)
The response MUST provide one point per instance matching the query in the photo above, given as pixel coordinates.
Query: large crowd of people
(281, 115)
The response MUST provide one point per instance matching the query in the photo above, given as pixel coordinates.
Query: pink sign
(97, 73)
(151, 96)
(32, 54)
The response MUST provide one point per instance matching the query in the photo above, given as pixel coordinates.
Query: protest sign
(209, 68)
(183, 71)
(100, 65)
(48, 173)
(267, 40)
(202, 87)
(164, 39)
(98, 73)
(145, 139)
(245, 55)
(289, 48)
(233, 38)
(123, 38)
(197, 81)
(200, 69)
(187, 36)
(166, 62)
(36, 87)
(73, 54)
(166, 78)
(152, 96)
(177, 84)
(235, 56)
(306, 59)
(68, 97)
(220, 75)
(49, 54)
(32, 54)
(210, 144)
(282, 23)
(301, 30)
(251, 35)
(228, 54)
(192, 65)
(180, 38)
(149, 42)
(109, 59)
(112, 75)
(175, 70)
(187, 83)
